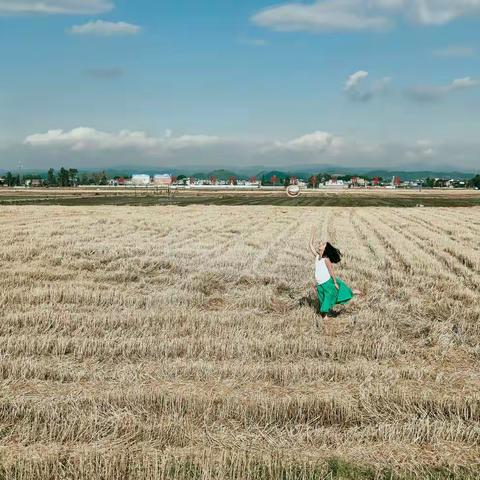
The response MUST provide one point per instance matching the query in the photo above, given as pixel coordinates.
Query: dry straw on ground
(172, 343)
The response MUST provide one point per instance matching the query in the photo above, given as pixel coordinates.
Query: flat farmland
(229, 197)
(173, 342)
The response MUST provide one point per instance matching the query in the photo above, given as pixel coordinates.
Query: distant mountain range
(243, 173)
(305, 172)
(385, 174)
(220, 174)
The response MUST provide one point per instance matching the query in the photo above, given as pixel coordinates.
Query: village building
(141, 180)
(163, 179)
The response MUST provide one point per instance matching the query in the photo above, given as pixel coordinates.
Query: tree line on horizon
(71, 177)
(61, 178)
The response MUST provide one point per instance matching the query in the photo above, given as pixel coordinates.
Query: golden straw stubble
(171, 343)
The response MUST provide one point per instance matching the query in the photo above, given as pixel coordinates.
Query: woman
(330, 289)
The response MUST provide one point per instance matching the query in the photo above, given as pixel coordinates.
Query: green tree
(84, 179)
(429, 183)
(286, 182)
(325, 177)
(103, 179)
(475, 181)
(9, 179)
(63, 177)
(72, 177)
(51, 178)
(313, 182)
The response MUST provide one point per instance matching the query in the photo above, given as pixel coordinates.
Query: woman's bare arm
(312, 242)
(329, 265)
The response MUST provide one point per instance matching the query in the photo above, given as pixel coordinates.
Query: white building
(163, 179)
(141, 180)
(334, 183)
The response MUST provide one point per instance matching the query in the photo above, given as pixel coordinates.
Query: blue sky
(392, 83)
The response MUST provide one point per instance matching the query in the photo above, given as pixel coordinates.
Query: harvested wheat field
(180, 343)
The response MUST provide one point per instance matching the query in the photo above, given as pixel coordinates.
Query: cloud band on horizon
(316, 147)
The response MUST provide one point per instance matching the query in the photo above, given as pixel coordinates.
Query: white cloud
(83, 138)
(105, 29)
(356, 90)
(320, 16)
(461, 83)
(192, 141)
(354, 79)
(422, 149)
(87, 147)
(58, 7)
(455, 51)
(436, 92)
(89, 139)
(440, 12)
(318, 141)
(357, 15)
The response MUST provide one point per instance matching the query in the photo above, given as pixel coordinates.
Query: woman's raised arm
(312, 242)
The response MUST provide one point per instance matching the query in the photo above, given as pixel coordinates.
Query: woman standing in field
(330, 289)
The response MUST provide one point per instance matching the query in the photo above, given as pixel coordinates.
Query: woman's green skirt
(329, 295)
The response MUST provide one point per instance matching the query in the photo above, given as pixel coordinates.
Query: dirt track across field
(338, 198)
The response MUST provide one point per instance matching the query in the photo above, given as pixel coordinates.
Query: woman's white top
(322, 274)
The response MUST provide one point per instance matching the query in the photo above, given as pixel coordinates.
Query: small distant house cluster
(144, 180)
(34, 183)
(216, 182)
(339, 181)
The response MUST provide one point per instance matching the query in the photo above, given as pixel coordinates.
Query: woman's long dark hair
(332, 253)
